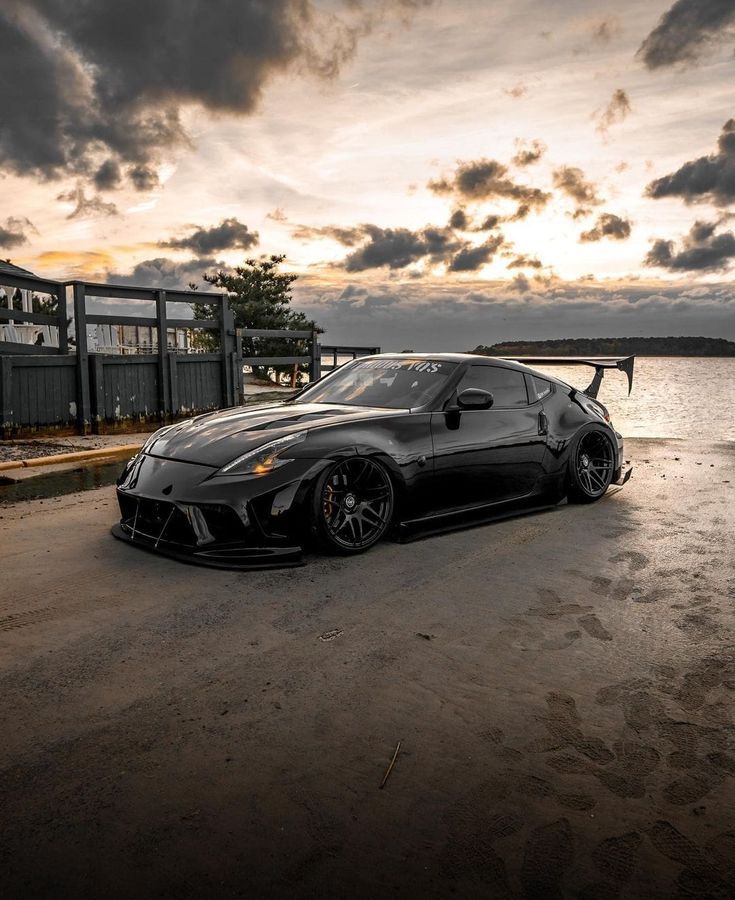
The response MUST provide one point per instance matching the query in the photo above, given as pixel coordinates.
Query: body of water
(672, 397)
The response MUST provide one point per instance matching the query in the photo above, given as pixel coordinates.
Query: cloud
(615, 112)
(527, 155)
(108, 176)
(143, 177)
(522, 212)
(470, 259)
(706, 179)
(487, 179)
(230, 234)
(521, 284)
(573, 182)
(525, 262)
(15, 231)
(605, 30)
(86, 206)
(516, 91)
(91, 265)
(459, 219)
(489, 222)
(348, 236)
(107, 81)
(597, 33)
(607, 225)
(277, 215)
(685, 31)
(166, 273)
(701, 250)
(397, 248)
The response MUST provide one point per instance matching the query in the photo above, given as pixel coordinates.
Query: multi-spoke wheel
(353, 505)
(591, 467)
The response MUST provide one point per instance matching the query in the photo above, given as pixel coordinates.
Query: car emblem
(350, 501)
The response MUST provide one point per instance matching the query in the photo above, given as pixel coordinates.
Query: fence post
(315, 368)
(80, 330)
(6, 395)
(237, 376)
(162, 329)
(228, 347)
(97, 392)
(63, 324)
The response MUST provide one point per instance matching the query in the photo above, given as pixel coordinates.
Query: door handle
(543, 424)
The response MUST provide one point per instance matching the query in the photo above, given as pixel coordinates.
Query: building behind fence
(113, 371)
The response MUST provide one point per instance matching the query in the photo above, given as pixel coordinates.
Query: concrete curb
(77, 456)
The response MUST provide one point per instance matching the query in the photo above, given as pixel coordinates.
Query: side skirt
(415, 529)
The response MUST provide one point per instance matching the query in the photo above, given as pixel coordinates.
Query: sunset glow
(376, 168)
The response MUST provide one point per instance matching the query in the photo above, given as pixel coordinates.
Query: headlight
(263, 459)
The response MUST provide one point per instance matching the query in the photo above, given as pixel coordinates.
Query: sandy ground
(562, 686)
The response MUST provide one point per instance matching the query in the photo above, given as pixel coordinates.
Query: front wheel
(353, 505)
(591, 466)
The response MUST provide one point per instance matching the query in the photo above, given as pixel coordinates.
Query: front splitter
(243, 558)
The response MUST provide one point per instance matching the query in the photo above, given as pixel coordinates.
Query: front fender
(401, 443)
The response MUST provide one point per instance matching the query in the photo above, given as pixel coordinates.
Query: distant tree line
(626, 346)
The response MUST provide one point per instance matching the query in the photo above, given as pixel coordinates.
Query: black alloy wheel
(592, 467)
(354, 505)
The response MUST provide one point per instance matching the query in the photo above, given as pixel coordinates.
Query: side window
(540, 388)
(507, 386)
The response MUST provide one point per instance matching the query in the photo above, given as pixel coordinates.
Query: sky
(439, 174)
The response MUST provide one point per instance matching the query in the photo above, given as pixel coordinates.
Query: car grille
(161, 522)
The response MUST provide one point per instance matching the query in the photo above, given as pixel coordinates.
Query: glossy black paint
(447, 465)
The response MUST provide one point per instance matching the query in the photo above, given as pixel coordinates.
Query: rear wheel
(353, 505)
(591, 466)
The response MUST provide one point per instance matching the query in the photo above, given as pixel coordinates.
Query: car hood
(217, 438)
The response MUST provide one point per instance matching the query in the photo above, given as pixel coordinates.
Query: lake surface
(673, 396)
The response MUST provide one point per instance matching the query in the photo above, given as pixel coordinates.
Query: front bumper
(232, 557)
(178, 510)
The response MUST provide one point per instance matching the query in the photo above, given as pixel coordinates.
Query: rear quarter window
(540, 388)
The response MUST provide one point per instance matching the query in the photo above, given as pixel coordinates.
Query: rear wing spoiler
(599, 364)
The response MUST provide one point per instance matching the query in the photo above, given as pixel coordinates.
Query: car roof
(454, 357)
(471, 358)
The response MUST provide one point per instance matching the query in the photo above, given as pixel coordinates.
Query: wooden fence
(43, 387)
(312, 360)
(336, 351)
(72, 387)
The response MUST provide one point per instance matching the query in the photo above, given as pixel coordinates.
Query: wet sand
(562, 686)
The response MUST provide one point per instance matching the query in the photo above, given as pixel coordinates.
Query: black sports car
(399, 443)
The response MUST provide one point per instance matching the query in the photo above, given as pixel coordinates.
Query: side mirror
(475, 398)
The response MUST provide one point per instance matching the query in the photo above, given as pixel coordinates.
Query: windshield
(397, 383)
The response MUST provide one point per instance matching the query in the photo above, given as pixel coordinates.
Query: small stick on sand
(390, 767)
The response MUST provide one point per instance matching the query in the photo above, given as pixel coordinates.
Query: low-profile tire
(352, 505)
(591, 466)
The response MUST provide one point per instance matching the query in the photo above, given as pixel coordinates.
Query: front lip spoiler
(244, 558)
